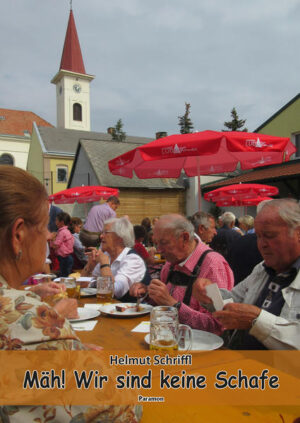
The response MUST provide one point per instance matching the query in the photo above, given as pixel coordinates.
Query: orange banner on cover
(110, 377)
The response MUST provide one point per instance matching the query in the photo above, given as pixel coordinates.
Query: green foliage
(117, 132)
(185, 123)
(235, 124)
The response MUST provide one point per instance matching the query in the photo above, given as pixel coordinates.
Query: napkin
(86, 325)
(143, 327)
(213, 292)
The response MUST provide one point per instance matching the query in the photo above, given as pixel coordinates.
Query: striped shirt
(215, 268)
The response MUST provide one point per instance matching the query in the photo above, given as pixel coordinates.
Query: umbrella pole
(199, 184)
(199, 193)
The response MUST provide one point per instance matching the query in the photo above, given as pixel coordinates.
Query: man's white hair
(201, 218)
(287, 208)
(228, 218)
(261, 204)
(177, 224)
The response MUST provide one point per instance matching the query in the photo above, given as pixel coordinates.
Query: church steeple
(71, 58)
(72, 83)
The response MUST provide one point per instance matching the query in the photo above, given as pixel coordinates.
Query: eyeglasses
(107, 232)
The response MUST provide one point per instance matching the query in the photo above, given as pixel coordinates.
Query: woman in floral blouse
(26, 323)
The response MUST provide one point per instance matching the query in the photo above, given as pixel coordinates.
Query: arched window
(6, 159)
(77, 112)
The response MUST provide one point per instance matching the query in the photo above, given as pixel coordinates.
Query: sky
(149, 58)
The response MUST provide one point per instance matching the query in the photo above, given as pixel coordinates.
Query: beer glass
(72, 288)
(166, 334)
(105, 289)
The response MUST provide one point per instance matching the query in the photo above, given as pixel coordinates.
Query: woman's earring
(19, 255)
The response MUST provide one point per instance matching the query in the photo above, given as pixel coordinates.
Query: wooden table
(114, 332)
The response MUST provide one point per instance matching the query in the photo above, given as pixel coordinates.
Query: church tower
(72, 84)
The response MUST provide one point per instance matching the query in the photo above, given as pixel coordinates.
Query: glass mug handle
(184, 338)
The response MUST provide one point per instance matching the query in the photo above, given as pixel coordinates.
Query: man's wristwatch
(177, 305)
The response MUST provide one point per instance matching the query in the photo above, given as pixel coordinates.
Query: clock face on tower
(77, 88)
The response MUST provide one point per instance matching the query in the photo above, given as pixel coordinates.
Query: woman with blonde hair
(247, 224)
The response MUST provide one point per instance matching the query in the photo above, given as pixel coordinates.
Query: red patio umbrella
(85, 194)
(202, 153)
(239, 192)
(243, 202)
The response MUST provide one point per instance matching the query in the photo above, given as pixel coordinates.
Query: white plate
(81, 279)
(129, 312)
(85, 279)
(202, 341)
(87, 292)
(85, 314)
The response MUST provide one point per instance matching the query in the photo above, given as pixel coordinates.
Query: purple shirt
(97, 216)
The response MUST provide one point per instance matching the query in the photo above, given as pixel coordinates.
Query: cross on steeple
(70, 4)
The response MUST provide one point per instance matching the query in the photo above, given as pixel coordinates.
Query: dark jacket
(224, 239)
(243, 255)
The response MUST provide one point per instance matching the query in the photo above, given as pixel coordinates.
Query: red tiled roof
(269, 173)
(71, 58)
(15, 122)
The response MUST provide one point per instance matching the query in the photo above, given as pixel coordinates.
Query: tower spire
(71, 58)
(72, 84)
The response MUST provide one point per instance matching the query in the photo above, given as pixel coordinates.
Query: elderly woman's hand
(102, 257)
(47, 289)
(92, 254)
(67, 307)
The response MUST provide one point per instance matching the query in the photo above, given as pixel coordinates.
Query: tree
(235, 124)
(117, 133)
(185, 123)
